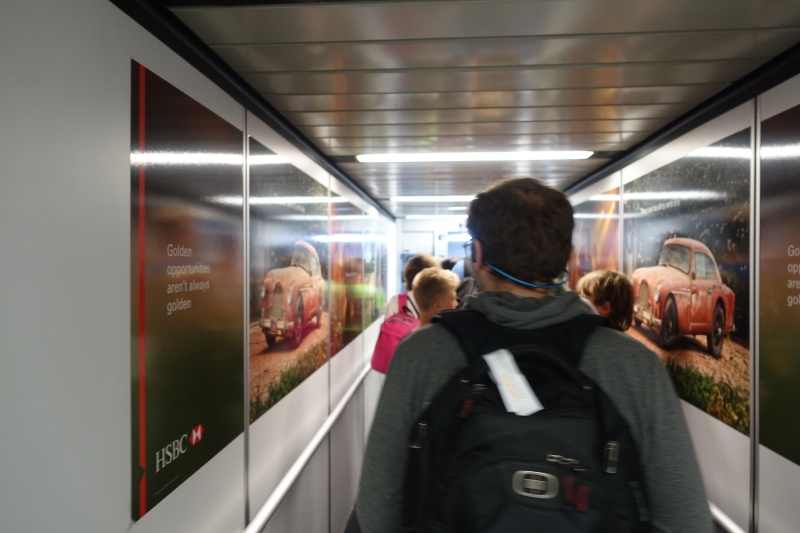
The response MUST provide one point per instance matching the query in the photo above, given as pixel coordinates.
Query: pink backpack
(393, 329)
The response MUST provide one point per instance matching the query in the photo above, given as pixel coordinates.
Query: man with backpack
(521, 412)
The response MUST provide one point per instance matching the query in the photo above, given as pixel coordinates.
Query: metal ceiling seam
(170, 30)
(509, 68)
(560, 88)
(479, 91)
(476, 108)
(781, 68)
(503, 38)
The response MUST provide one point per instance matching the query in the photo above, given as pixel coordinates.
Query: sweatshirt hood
(519, 312)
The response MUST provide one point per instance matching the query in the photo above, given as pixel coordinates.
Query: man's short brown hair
(525, 228)
(433, 284)
(415, 265)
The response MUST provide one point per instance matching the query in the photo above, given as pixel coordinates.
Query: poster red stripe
(143, 495)
(142, 365)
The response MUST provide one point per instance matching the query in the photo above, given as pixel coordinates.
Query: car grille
(644, 296)
(276, 311)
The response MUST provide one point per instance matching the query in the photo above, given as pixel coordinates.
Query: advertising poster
(779, 274)
(187, 229)
(347, 273)
(686, 248)
(288, 325)
(595, 240)
(374, 269)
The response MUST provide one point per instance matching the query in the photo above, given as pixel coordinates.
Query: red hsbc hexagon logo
(197, 434)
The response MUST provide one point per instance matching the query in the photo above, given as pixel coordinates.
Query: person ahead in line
(522, 233)
(414, 265)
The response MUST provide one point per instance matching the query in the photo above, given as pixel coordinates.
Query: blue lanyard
(527, 284)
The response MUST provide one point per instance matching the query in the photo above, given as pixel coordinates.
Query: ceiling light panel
(472, 156)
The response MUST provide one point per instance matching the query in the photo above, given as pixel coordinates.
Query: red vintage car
(292, 296)
(684, 295)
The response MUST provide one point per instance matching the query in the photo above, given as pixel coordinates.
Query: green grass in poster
(720, 400)
(290, 378)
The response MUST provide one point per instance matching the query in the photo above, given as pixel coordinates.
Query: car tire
(271, 339)
(297, 329)
(716, 338)
(669, 323)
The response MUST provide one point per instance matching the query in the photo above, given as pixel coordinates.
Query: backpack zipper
(420, 433)
(611, 455)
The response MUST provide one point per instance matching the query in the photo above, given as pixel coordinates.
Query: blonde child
(434, 291)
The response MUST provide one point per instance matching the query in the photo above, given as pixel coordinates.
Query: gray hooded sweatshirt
(630, 374)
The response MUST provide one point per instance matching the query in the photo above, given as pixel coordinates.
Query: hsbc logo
(197, 434)
(172, 451)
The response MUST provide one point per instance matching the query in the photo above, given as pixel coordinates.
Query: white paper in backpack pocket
(514, 388)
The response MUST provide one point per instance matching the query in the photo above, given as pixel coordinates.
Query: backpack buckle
(534, 484)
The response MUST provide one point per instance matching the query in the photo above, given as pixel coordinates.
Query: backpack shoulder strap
(406, 305)
(468, 326)
(478, 336)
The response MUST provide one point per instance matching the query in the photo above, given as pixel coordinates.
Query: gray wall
(65, 398)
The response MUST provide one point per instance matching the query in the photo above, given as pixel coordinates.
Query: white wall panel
(305, 508)
(65, 397)
(724, 457)
(347, 453)
(781, 98)
(345, 367)
(779, 485)
(279, 436)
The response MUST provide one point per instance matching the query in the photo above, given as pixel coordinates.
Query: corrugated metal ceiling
(600, 75)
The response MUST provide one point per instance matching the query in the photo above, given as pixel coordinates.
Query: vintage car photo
(292, 296)
(684, 295)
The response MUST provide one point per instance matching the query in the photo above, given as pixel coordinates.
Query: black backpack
(473, 467)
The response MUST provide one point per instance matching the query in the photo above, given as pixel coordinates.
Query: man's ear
(605, 309)
(477, 254)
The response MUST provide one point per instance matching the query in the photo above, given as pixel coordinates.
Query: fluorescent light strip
(780, 152)
(592, 216)
(676, 195)
(351, 237)
(322, 218)
(281, 200)
(723, 152)
(472, 156)
(435, 217)
(432, 199)
(185, 158)
(202, 158)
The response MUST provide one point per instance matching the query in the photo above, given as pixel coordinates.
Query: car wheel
(297, 330)
(271, 338)
(669, 323)
(716, 338)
